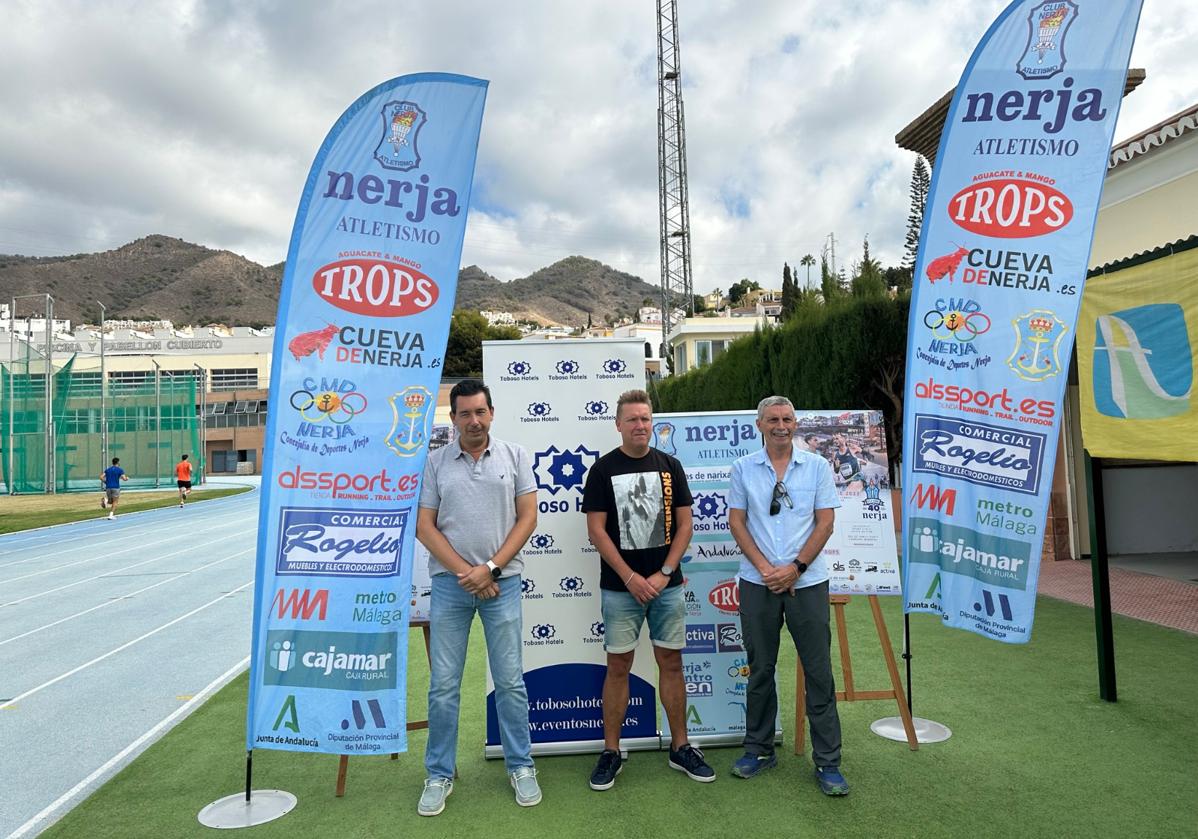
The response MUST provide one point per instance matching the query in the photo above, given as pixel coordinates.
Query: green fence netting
(151, 422)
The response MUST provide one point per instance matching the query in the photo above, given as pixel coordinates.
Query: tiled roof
(1158, 135)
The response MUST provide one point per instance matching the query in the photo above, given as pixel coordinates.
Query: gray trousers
(806, 615)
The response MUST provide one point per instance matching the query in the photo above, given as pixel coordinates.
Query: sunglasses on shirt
(780, 496)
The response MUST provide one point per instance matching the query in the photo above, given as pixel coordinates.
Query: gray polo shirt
(476, 500)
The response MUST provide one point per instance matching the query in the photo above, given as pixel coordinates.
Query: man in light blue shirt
(781, 509)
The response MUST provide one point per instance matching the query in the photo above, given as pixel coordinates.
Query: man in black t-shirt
(638, 508)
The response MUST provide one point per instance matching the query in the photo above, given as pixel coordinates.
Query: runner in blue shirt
(111, 478)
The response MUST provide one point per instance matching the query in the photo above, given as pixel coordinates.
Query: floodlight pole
(103, 390)
(204, 436)
(157, 423)
(49, 387)
(12, 348)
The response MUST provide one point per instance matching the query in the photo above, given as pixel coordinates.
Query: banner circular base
(234, 811)
(926, 731)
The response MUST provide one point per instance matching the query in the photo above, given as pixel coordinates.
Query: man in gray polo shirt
(478, 506)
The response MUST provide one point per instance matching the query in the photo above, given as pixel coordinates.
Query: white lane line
(98, 544)
(127, 755)
(82, 528)
(118, 570)
(125, 596)
(125, 646)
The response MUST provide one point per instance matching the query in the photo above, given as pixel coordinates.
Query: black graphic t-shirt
(639, 496)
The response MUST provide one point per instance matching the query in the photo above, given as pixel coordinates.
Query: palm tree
(807, 260)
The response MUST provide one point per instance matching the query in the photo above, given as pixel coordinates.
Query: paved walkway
(1147, 597)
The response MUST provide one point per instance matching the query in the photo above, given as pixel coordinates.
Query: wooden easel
(413, 725)
(850, 693)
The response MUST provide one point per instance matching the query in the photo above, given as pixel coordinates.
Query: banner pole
(249, 773)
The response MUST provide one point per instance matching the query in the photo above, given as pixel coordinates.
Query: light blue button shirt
(809, 484)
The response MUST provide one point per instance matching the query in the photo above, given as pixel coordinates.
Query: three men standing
(478, 506)
(781, 509)
(638, 508)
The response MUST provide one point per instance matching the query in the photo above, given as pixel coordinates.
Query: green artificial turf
(1034, 753)
(25, 512)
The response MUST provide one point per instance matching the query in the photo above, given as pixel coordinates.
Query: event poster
(363, 320)
(558, 400)
(1002, 261)
(861, 554)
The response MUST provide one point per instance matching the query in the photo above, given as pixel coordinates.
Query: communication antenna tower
(676, 289)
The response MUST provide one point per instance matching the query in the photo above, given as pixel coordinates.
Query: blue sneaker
(831, 782)
(751, 765)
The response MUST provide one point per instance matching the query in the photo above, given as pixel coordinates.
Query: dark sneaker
(751, 765)
(688, 759)
(831, 782)
(609, 766)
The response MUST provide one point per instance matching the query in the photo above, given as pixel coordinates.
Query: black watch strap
(802, 566)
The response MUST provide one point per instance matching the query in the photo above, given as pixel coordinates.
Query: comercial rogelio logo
(1038, 335)
(979, 453)
(397, 149)
(557, 470)
(412, 412)
(1142, 362)
(339, 543)
(1044, 53)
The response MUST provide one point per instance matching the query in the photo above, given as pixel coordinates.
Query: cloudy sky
(200, 119)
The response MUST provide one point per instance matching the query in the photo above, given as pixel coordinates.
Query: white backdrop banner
(558, 400)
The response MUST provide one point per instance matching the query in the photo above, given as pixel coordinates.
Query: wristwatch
(802, 566)
(667, 571)
(495, 569)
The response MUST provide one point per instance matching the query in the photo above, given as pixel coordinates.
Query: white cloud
(200, 119)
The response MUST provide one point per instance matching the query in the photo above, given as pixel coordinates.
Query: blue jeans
(451, 612)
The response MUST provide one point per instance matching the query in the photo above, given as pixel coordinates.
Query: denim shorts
(623, 617)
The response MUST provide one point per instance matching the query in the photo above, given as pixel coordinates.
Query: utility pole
(674, 210)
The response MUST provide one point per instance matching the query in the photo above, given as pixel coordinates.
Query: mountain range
(163, 278)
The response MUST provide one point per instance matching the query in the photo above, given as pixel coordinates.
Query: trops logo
(982, 454)
(330, 660)
(1005, 207)
(402, 122)
(725, 596)
(339, 543)
(375, 287)
(961, 550)
(1143, 362)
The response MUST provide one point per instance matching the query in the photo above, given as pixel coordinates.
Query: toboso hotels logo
(330, 660)
(1142, 363)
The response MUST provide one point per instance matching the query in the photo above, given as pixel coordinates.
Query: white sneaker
(528, 791)
(432, 800)
(111, 516)
(180, 503)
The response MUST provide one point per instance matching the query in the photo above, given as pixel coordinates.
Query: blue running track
(110, 633)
